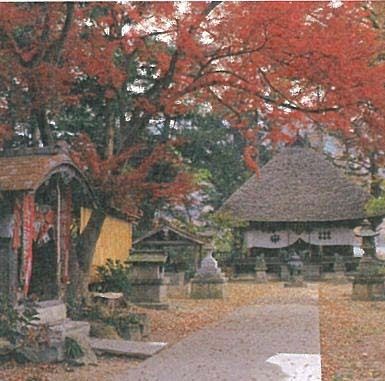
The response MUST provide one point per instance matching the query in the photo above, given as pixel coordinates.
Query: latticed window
(324, 235)
(275, 238)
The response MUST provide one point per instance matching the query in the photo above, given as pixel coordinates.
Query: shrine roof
(160, 236)
(28, 169)
(298, 185)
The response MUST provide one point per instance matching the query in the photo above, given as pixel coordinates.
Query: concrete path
(275, 342)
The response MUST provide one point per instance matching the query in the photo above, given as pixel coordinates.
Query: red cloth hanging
(28, 233)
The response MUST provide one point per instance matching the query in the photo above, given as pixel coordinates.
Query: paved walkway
(275, 342)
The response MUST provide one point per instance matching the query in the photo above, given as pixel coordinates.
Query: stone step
(51, 311)
(62, 329)
(135, 349)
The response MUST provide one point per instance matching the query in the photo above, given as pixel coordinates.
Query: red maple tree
(156, 61)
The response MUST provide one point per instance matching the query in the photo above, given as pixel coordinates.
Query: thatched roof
(298, 184)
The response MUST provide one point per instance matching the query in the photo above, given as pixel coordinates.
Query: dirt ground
(352, 334)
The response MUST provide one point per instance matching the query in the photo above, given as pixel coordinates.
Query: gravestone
(209, 281)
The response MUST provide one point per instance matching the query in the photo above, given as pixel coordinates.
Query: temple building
(299, 203)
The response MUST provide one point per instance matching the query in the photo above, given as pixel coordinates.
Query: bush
(17, 325)
(114, 277)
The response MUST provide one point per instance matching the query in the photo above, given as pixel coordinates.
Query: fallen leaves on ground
(352, 333)
(352, 336)
(184, 317)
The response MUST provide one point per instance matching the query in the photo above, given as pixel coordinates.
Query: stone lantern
(209, 281)
(368, 283)
(295, 266)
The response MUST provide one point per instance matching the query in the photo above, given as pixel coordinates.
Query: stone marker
(141, 350)
(209, 281)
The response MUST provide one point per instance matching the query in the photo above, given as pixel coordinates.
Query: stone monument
(260, 270)
(209, 281)
(368, 283)
(148, 288)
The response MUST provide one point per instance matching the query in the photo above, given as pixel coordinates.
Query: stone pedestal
(148, 288)
(296, 281)
(285, 274)
(209, 282)
(368, 284)
(150, 293)
(338, 276)
(260, 271)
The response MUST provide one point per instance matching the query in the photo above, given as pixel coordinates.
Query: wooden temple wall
(114, 242)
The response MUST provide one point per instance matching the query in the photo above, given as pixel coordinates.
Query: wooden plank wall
(114, 242)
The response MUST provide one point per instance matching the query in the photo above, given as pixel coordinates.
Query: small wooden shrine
(41, 193)
(300, 203)
(166, 236)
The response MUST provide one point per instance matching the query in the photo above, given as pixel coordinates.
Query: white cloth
(284, 238)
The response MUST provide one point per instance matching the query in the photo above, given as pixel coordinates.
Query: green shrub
(72, 349)
(17, 325)
(114, 277)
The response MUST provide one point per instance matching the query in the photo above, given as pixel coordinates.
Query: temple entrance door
(44, 271)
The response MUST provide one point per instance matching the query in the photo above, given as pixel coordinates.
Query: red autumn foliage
(123, 185)
(279, 58)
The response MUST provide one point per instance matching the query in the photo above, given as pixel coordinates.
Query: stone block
(368, 288)
(104, 331)
(51, 312)
(260, 276)
(208, 289)
(296, 281)
(88, 356)
(148, 291)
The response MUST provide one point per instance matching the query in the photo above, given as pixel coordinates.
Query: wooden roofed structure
(299, 201)
(167, 234)
(169, 238)
(40, 191)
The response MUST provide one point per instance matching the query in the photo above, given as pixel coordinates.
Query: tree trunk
(110, 138)
(43, 125)
(84, 253)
